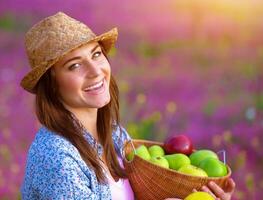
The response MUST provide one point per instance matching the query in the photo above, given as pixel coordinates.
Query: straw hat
(53, 37)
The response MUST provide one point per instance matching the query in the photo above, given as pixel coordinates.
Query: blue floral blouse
(55, 169)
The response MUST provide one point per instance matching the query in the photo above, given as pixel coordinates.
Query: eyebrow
(78, 57)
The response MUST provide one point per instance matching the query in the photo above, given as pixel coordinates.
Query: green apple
(199, 196)
(192, 170)
(177, 160)
(161, 161)
(141, 151)
(213, 167)
(156, 150)
(200, 155)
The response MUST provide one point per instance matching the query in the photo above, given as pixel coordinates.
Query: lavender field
(191, 66)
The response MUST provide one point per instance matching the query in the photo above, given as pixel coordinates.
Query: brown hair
(52, 114)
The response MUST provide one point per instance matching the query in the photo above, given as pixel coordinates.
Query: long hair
(52, 114)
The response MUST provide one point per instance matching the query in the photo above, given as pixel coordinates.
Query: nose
(92, 69)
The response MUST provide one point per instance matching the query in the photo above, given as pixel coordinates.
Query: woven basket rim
(172, 171)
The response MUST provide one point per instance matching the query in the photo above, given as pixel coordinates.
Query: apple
(192, 170)
(141, 151)
(177, 160)
(156, 150)
(213, 167)
(161, 161)
(178, 144)
(200, 155)
(199, 196)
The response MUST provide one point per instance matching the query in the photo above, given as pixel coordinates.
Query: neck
(88, 118)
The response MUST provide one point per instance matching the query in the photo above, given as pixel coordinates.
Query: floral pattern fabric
(55, 169)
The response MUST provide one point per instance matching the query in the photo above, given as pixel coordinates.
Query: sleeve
(62, 178)
(120, 137)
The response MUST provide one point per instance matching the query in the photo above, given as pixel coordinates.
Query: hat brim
(107, 40)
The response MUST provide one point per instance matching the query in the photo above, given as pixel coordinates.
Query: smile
(95, 87)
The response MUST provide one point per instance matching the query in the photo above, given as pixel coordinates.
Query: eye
(72, 67)
(96, 54)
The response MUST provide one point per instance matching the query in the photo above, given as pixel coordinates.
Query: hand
(218, 192)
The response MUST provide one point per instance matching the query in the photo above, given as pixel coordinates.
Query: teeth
(94, 86)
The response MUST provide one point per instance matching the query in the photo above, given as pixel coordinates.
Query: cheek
(107, 69)
(68, 85)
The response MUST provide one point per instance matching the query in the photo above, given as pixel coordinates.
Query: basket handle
(224, 155)
(123, 149)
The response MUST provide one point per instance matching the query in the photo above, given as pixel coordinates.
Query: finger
(194, 190)
(172, 199)
(219, 192)
(206, 189)
(231, 185)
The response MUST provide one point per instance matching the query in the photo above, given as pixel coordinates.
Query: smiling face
(83, 77)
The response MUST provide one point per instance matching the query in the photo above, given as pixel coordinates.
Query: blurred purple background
(191, 67)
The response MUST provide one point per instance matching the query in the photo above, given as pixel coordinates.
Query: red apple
(178, 144)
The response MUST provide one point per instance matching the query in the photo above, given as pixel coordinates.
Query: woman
(76, 153)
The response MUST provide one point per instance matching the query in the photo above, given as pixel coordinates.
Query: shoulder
(49, 142)
(49, 147)
(54, 167)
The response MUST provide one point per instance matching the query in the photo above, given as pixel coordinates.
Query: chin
(102, 104)
(106, 102)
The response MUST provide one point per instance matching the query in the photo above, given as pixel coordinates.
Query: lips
(95, 86)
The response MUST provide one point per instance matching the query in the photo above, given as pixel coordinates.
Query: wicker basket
(150, 181)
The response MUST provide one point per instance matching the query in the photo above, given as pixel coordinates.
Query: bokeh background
(189, 66)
